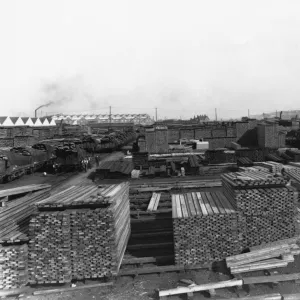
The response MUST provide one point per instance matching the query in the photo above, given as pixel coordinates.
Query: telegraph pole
(248, 113)
(156, 114)
(110, 116)
(216, 114)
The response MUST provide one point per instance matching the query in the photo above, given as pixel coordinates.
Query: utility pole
(216, 114)
(248, 113)
(110, 116)
(156, 114)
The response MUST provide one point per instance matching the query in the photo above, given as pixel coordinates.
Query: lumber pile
(215, 169)
(244, 161)
(87, 239)
(154, 201)
(256, 155)
(274, 157)
(15, 216)
(273, 167)
(267, 256)
(285, 156)
(266, 206)
(13, 266)
(293, 173)
(205, 227)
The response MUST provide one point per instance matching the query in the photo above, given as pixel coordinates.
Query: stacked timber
(244, 161)
(266, 206)
(285, 156)
(256, 155)
(205, 227)
(49, 254)
(274, 157)
(273, 167)
(267, 256)
(15, 216)
(216, 169)
(84, 235)
(293, 173)
(13, 271)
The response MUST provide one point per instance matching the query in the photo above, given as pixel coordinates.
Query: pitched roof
(33, 120)
(14, 119)
(2, 119)
(25, 119)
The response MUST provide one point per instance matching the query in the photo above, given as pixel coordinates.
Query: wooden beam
(23, 189)
(274, 278)
(261, 297)
(12, 292)
(70, 289)
(160, 269)
(157, 202)
(202, 287)
(291, 296)
(145, 260)
(150, 246)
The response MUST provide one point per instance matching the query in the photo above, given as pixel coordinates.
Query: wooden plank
(152, 202)
(201, 203)
(191, 204)
(260, 297)
(23, 189)
(206, 203)
(196, 204)
(202, 287)
(183, 206)
(160, 269)
(174, 208)
(145, 260)
(178, 205)
(273, 278)
(157, 201)
(13, 292)
(70, 289)
(214, 206)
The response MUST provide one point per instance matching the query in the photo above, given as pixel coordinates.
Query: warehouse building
(85, 119)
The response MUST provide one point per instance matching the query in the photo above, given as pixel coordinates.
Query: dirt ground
(145, 286)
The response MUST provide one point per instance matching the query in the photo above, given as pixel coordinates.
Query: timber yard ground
(145, 286)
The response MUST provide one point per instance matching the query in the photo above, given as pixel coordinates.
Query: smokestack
(44, 105)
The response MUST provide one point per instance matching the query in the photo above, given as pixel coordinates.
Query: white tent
(17, 121)
(45, 121)
(6, 121)
(38, 123)
(52, 122)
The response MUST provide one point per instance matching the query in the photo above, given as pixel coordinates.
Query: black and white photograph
(149, 150)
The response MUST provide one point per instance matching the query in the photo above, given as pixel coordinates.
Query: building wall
(202, 133)
(150, 140)
(161, 139)
(173, 135)
(187, 134)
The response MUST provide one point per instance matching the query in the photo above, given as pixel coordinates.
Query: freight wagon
(16, 162)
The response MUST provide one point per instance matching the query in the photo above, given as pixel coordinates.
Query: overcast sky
(183, 57)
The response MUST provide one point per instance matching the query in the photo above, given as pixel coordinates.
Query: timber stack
(82, 232)
(14, 223)
(205, 226)
(266, 256)
(13, 272)
(266, 206)
(273, 167)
